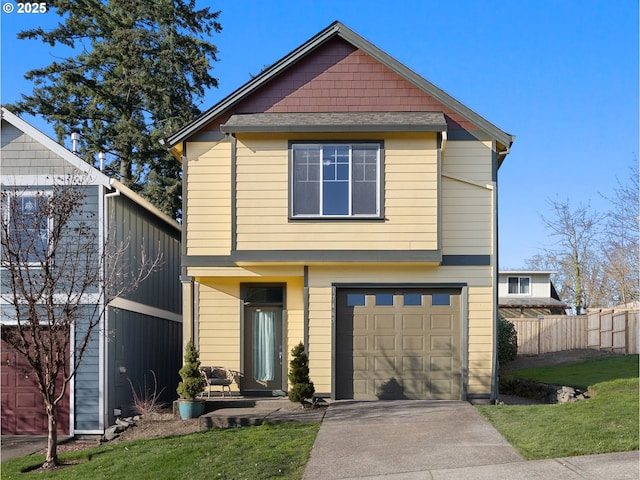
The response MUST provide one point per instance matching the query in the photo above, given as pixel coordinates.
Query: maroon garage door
(23, 410)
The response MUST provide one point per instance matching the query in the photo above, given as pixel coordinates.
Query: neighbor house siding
(147, 235)
(540, 284)
(143, 349)
(208, 202)
(87, 381)
(22, 155)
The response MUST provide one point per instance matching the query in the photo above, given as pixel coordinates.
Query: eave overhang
(530, 302)
(335, 122)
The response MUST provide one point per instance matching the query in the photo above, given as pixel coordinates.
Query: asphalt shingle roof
(336, 122)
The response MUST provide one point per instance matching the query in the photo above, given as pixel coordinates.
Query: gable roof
(95, 176)
(337, 29)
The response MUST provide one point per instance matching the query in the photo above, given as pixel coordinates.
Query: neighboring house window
(336, 180)
(28, 225)
(519, 286)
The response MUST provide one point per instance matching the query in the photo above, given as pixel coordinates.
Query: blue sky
(562, 76)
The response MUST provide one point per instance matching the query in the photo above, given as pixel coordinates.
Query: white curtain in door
(264, 346)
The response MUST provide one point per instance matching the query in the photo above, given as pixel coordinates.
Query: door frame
(245, 288)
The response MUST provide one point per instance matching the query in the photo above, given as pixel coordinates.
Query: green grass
(266, 451)
(607, 422)
(585, 373)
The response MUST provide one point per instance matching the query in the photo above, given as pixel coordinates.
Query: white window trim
(520, 278)
(28, 193)
(350, 215)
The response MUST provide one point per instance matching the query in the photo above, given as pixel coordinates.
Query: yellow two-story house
(341, 200)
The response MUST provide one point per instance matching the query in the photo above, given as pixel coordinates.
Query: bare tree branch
(58, 276)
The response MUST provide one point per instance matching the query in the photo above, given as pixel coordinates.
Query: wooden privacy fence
(613, 330)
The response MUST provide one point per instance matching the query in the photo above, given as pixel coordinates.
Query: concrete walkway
(436, 440)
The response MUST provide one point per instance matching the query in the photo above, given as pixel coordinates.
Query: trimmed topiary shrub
(192, 382)
(507, 341)
(301, 385)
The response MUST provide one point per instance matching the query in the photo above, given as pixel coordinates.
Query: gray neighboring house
(140, 333)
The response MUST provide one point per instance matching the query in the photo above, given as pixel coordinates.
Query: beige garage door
(398, 344)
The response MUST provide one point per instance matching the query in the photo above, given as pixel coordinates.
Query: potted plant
(191, 385)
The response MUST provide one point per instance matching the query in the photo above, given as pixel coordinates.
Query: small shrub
(507, 342)
(301, 385)
(192, 382)
(147, 401)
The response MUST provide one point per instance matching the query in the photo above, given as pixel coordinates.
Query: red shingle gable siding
(337, 77)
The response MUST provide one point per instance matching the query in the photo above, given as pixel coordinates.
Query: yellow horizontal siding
(468, 160)
(208, 202)
(219, 315)
(219, 328)
(467, 199)
(320, 337)
(410, 200)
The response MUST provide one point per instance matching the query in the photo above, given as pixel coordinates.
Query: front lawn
(607, 422)
(265, 451)
(585, 373)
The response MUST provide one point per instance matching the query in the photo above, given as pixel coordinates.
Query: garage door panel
(26, 400)
(441, 322)
(384, 365)
(413, 321)
(384, 322)
(360, 343)
(360, 387)
(441, 389)
(361, 364)
(441, 343)
(413, 343)
(384, 343)
(441, 364)
(360, 322)
(402, 346)
(412, 364)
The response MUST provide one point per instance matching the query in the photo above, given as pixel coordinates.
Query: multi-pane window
(28, 226)
(336, 180)
(519, 285)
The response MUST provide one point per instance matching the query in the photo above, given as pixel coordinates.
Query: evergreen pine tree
(139, 71)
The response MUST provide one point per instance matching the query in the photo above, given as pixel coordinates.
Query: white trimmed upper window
(335, 180)
(519, 286)
(28, 225)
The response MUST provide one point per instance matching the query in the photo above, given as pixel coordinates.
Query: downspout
(105, 372)
(496, 365)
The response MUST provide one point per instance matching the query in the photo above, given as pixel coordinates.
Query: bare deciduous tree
(596, 256)
(58, 276)
(575, 252)
(620, 246)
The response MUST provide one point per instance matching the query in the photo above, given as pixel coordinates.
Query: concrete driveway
(413, 440)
